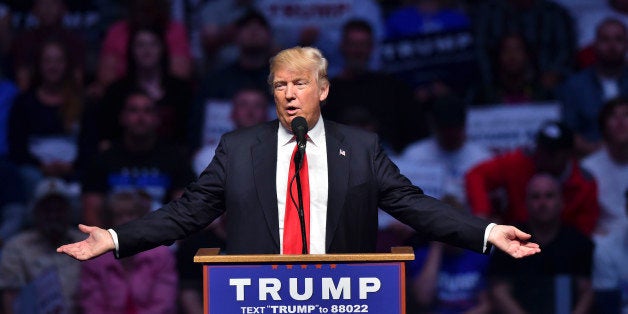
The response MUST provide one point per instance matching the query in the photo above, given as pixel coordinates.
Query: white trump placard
(504, 127)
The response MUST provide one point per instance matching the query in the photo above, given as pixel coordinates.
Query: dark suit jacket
(241, 181)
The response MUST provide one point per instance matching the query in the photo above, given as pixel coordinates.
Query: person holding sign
(349, 178)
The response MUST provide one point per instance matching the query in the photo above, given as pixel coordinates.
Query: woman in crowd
(148, 72)
(44, 121)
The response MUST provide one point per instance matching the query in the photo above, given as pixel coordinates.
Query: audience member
(444, 157)
(358, 88)
(250, 106)
(610, 274)
(91, 19)
(515, 76)
(511, 172)
(29, 258)
(44, 121)
(78, 15)
(115, 46)
(586, 15)
(12, 202)
(218, 30)
(139, 161)
(319, 23)
(189, 13)
(6, 35)
(583, 94)
(558, 280)
(254, 41)
(609, 166)
(49, 15)
(544, 24)
(447, 149)
(143, 283)
(85, 19)
(8, 91)
(446, 279)
(147, 71)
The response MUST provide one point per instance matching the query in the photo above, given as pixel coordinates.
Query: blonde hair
(300, 59)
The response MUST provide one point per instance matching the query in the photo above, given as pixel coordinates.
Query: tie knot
(294, 137)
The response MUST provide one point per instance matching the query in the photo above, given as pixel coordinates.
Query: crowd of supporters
(109, 108)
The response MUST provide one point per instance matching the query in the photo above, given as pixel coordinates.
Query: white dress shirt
(316, 152)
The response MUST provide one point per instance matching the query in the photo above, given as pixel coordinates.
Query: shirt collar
(314, 136)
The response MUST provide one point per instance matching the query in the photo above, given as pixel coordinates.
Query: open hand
(513, 241)
(98, 243)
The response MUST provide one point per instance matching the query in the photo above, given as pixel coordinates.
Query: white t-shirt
(612, 182)
(609, 264)
(452, 166)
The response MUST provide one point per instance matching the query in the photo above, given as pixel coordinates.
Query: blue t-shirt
(8, 91)
(460, 280)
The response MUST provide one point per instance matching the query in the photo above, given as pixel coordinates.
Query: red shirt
(512, 171)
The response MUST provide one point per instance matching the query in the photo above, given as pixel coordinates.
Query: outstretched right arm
(97, 243)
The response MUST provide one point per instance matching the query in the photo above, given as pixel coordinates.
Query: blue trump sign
(305, 288)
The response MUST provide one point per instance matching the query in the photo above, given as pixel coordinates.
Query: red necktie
(292, 240)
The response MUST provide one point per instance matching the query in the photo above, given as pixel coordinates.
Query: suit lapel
(338, 157)
(264, 155)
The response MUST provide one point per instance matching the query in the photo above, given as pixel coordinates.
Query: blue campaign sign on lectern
(305, 288)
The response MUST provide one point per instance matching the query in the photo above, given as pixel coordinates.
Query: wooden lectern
(315, 283)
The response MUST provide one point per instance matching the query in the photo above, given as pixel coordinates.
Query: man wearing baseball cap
(553, 154)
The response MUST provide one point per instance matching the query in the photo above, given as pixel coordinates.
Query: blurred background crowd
(513, 110)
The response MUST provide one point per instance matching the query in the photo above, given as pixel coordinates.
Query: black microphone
(299, 129)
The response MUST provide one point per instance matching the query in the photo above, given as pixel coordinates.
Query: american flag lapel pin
(341, 152)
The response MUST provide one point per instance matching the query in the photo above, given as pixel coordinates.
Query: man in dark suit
(349, 175)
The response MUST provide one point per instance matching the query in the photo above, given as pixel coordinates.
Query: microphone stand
(298, 158)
